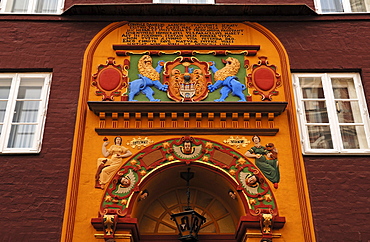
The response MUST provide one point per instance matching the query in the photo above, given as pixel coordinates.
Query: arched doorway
(217, 169)
(208, 196)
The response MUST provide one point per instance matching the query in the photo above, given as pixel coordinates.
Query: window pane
(29, 92)
(320, 137)
(5, 87)
(169, 1)
(2, 110)
(341, 93)
(316, 112)
(26, 111)
(21, 136)
(353, 137)
(311, 87)
(331, 6)
(4, 95)
(4, 92)
(30, 88)
(184, 1)
(312, 92)
(197, 1)
(47, 6)
(344, 88)
(20, 6)
(367, 4)
(348, 112)
(358, 6)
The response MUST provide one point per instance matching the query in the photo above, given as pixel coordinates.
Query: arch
(155, 219)
(202, 171)
(162, 162)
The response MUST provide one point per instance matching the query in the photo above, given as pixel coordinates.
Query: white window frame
(331, 109)
(10, 107)
(6, 7)
(184, 2)
(346, 7)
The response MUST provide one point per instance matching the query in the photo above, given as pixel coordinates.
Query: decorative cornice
(150, 9)
(204, 107)
(186, 131)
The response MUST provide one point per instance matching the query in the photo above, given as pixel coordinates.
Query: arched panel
(219, 171)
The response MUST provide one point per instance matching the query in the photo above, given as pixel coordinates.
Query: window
(185, 1)
(23, 101)
(343, 6)
(32, 6)
(332, 113)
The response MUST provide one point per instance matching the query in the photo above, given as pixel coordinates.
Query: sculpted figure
(232, 194)
(106, 166)
(227, 79)
(250, 182)
(272, 151)
(148, 77)
(266, 160)
(143, 195)
(126, 182)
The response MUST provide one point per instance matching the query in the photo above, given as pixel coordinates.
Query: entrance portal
(219, 190)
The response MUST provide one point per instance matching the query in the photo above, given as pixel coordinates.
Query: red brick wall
(33, 187)
(310, 3)
(339, 189)
(246, 2)
(339, 185)
(327, 46)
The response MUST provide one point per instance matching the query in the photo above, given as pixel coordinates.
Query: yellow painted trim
(302, 187)
(259, 235)
(197, 161)
(74, 173)
(117, 236)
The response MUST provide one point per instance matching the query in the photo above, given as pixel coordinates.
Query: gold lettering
(181, 34)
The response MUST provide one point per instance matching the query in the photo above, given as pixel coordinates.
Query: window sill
(358, 153)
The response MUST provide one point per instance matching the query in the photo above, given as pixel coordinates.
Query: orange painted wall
(83, 199)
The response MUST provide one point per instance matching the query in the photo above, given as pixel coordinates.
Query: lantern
(188, 222)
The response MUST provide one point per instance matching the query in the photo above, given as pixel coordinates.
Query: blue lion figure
(148, 78)
(227, 79)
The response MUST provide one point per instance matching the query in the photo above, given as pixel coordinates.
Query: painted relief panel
(247, 183)
(188, 62)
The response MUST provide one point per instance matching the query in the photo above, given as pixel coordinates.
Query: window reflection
(320, 137)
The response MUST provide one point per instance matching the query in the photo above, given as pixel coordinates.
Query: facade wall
(309, 3)
(339, 188)
(330, 45)
(338, 185)
(33, 187)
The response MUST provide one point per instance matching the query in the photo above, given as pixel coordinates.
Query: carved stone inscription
(182, 33)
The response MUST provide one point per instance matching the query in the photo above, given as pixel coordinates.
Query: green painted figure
(266, 159)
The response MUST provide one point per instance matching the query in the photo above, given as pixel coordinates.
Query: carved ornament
(110, 79)
(264, 79)
(237, 142)
(138, 143)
